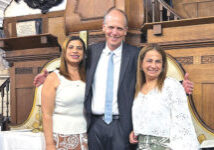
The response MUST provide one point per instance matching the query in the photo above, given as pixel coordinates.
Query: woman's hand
(133, 138)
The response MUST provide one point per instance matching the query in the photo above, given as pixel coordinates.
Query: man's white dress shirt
(100, 81)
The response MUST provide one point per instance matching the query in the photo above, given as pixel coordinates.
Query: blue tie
(109, 90)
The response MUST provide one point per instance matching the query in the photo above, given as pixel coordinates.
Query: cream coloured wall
(21, 9)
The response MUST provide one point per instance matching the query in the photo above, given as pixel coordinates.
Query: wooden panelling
(208, 103)
(27, 42)
(22, 89)
(135, 12)
(207, 59)
(27, 82)
(80, 15)
(201, 73)
(96, 36)
(30, 52)
(24, 100)
(195, 54)
(56, 27)
(202, 76)
(10, 22)
(206, 8)
(179, 33)
(74, 21)
(194, 8)
(185, 60)
(134, 37)
(97, 8)
(8, 30)
(197, 96)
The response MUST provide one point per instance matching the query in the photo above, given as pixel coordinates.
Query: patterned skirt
(148, 142)
(71, 142)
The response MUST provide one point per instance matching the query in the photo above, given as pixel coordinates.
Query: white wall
(3, 6)
(21, 9)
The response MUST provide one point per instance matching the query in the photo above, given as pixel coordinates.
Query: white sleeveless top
(68, 115)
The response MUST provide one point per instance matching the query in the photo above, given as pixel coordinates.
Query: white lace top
(165, 114)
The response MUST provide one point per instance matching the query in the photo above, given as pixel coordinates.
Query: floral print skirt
(71, 142)
(148, 142)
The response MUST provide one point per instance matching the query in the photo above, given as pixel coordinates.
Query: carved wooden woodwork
(160, 10)
(88, 14)
(52, 23)
(191, 42)
(194, 8)
(26, 56)
(34, 120)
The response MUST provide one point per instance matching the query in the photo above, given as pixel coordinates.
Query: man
(118, 81)
(101, 135)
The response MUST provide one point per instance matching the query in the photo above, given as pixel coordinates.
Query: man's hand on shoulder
(187, 84)
(40, 78)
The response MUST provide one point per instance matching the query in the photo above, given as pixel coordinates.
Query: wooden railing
(4, 114)
(159, 10)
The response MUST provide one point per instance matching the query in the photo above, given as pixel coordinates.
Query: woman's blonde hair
(63, 66)
(140, 74)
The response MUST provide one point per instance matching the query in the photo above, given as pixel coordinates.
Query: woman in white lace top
(161, 118)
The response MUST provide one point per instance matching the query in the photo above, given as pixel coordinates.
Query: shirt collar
(117, 52)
